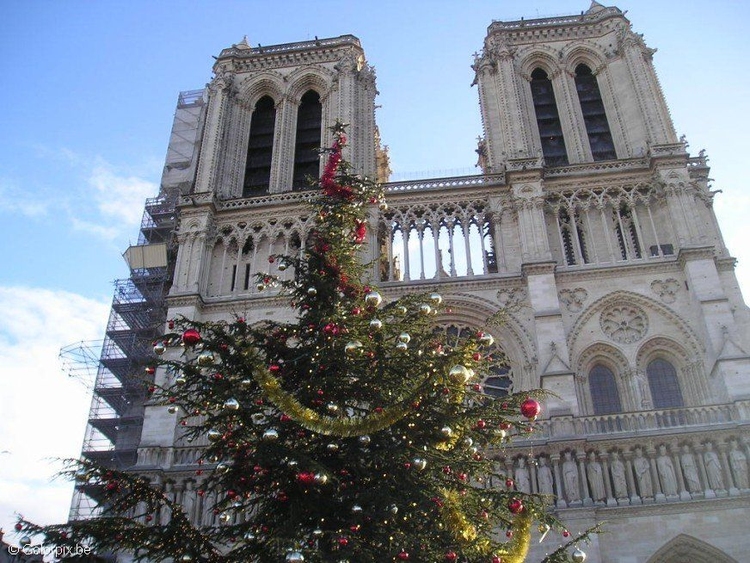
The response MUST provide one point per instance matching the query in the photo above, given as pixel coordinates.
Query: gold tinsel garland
(326, 425)
(515, 551)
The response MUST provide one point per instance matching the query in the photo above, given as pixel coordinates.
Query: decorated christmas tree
(355, 433)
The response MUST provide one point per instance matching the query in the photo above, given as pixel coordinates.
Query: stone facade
(601, 272)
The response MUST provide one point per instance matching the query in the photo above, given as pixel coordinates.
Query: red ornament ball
(515, 505)
(403, 555)
(566, 534)
(496, 559)
(343, 541)
(191, 337)
(530, 408)
(19, 527)
(450, 556)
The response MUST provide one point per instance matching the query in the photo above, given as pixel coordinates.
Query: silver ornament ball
(373, 299)
(271, 435)
(231, 404)
(294, 557)
(578, 556)
(376, 324)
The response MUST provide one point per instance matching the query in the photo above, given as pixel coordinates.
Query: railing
(443, 183)
(634, 423)
(298, 46)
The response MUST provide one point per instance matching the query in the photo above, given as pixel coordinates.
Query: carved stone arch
(310, 78)
(608, 355)
(583, 52)
(688, 548)
(267, 83)
(511, 335)
(661, 347)
(539, 56)
(679, 329)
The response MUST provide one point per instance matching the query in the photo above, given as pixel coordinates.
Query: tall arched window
(594, 117)
(306, 158)
(605, 397)
(260, 148)
(664, 385)
(547, 119)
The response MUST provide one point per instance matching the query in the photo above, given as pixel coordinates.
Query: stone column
(555, 458)
(655, 481)
(211, 149)
(611, 501)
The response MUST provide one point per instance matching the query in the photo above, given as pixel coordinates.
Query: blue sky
(88, 96)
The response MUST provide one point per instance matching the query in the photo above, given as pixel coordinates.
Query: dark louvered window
(306, 157)
(548, 119)
(594, 117)
(260, 148)
(604, 394)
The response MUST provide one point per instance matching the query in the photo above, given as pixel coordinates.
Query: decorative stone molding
(666, 289)
(624, 323)
(511, 297)
(573, 299)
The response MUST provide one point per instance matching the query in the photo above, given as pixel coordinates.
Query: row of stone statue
(637, 475)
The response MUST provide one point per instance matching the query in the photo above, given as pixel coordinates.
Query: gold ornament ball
(321, 478)
(383, 206)
(446, 431)
(205, 359)
(401, 309)
(186, 557)
(172, 409)
(460, 374)
(261, 286)
(436, 298)
(404, 337)
(352, 347)
(333, 408)
(24, 541)
(402, 347)
(364, 441)
(214, 435)
(225, 517)
(332, 447)
(180, 380)
(376, 324)
(312, 292)
(578, 556)
(282, 267)
(223, 467)
(425, 309)
(159, 348)
(419, 463)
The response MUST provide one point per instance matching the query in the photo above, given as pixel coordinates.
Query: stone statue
(521, 475)
(738, 463)
(596, 478)
(618, 476)
(544, 476)
(188, 501)
(665, 468)
(642, 475)
(570, 476)
(690, 470)
(713, 468)
(640, 386)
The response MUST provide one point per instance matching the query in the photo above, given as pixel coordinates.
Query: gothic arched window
(605, 397)
(594, 116)
(260, 148)
(307, 141)
(664, 385)
(498, 382)
(547, 119)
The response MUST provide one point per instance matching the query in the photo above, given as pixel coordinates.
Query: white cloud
(14, 200)
(120, 197)
(43, 410)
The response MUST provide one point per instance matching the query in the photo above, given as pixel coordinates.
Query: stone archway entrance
(684, 548)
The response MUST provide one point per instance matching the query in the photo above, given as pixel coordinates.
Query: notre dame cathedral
(588, 224)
